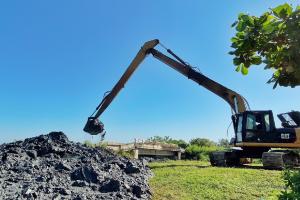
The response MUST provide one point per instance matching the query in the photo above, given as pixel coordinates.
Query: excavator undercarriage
(280, 159)
(277, 159)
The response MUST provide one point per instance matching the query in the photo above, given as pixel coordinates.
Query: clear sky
(57, 58)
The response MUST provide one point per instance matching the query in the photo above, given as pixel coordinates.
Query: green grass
(193, 180)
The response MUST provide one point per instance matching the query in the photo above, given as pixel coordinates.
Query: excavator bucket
(93, 126)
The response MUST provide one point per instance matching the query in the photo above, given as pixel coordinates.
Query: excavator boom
(235, 100)
(93, 125)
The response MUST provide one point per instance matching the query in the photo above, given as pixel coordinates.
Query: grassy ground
(193, 180)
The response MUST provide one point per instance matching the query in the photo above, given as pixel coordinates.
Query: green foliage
(272, 38)
(165, 139)
(292, 185)
(223, 143)
(256, 161)
(88, 143)
(197, 152)
(127, 154)
(181, 143)
(93, 145)
(202, 142)
(198, 148)
(168, 140)
(192, 180)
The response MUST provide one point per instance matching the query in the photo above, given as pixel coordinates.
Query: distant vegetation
(91, 144)
(195, 152)
(195, 149)
(202, 142)
(168, 140)
(127, 154)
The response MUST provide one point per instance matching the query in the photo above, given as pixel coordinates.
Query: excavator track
(277, 159)
(224, 159)
(280, 159)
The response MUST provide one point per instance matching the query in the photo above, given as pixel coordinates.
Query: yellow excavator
(255, 133)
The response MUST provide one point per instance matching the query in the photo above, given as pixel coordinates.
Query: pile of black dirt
(52, 167)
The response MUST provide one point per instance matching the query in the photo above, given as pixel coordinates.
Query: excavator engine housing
(93, 126)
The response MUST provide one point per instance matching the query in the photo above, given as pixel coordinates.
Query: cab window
(267, 122)
(239, 129)
(251, 122)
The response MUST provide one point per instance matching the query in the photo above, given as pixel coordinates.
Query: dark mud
(52, 167)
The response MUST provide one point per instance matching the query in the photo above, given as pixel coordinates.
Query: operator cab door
(257, 126)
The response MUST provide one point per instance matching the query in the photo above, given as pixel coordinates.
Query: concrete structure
(148, 149)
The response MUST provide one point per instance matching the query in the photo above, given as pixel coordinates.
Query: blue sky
(57, 58)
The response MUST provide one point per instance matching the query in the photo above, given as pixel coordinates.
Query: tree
(273, 39)
(168, 140)
(181, 143)
(202, 142)
(223, 143)
(165, 139)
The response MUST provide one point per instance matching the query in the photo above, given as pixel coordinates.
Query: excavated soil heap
(52, 167)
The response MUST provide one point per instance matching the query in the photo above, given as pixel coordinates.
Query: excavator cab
(252, 126)
(259, 127)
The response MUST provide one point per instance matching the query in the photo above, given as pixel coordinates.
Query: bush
(181, 143)
(88, 143)
(223, 143)
(127, 154)
(93, 145)
(202, 142)
(197, 152)
(292, 185)
(168, 140)
(256, 161)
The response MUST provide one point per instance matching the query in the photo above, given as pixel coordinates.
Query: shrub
(223, 143)
(181, 143)
(197, 152)
(127, 154)
(202, 142)
(292, 185)
(168, 140)
(88, 143)
(93, 145)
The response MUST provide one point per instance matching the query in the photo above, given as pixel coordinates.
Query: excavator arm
(235, 100)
